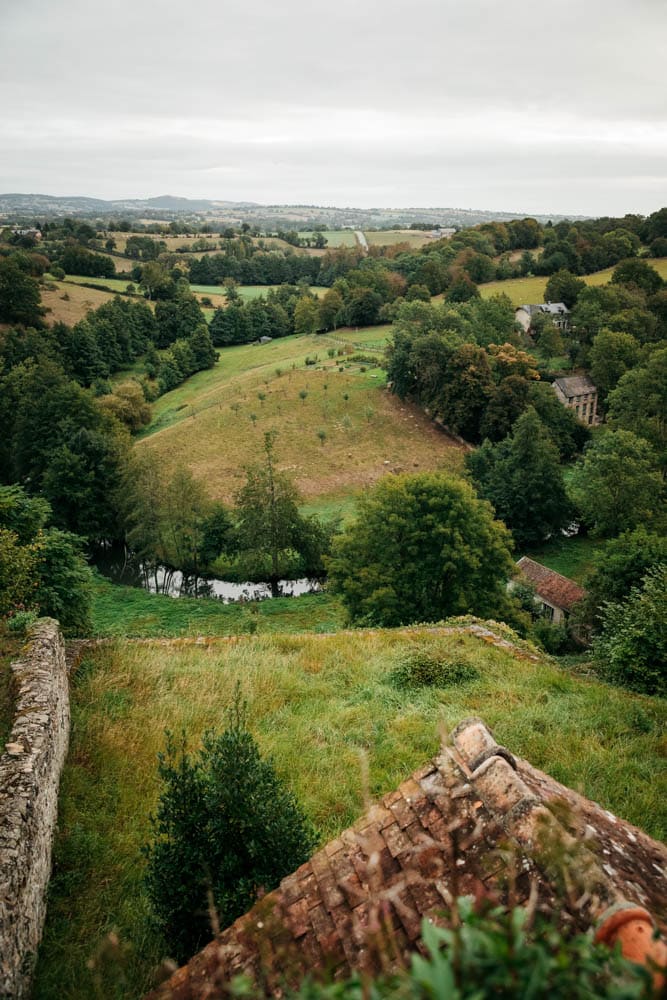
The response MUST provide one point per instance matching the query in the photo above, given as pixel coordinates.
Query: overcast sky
(519, 105)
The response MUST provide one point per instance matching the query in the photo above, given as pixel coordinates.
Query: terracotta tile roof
(431, 840)
(551, 586)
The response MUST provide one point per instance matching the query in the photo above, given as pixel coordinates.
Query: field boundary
(30, 770)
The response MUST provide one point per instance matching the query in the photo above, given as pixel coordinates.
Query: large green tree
(616, 485)
(422, 547)
(631, 649)
(272, 536)
(19, 295)
(639, 402)
(522, 477)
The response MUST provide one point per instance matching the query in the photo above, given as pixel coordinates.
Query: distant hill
(19, 205)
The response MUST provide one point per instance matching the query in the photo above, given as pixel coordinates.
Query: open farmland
(245, 291)
(334, 237)
(389, 237)
(74, 307)
(323, 706)
(215, 423)
(531, 289)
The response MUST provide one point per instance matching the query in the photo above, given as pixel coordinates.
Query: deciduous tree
(421, 548)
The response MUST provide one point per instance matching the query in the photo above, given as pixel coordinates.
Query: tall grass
(317, 704)
(130, 612)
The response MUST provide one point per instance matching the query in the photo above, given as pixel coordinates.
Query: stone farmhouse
(580, 394)
(558, 311)
(359, 903)
(557, 594)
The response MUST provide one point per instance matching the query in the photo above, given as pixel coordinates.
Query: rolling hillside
(339, 430)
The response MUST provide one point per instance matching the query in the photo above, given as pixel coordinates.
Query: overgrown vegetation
(314, 704)
(496, 952)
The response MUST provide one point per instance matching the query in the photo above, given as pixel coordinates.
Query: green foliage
(492, 952)
(639, 403)
(18, 564)
(619, 567)
(616, 485)
(41, 569)
(422, 547)
(424, 667)
(64, 590)
(563, 286)
(631, 649)
(19, 295)
(270, 530)
(551, 636)
(225, 824)
(522, 477)
(20, 622)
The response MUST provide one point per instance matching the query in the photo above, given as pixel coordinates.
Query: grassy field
(334, 237)
(389, 237)
(216, 426)
(130, 612)
(373, 338)
(522, 290)
(117, 285)
(79, 301)
(246, 292)
(572, 557)
(317, 705)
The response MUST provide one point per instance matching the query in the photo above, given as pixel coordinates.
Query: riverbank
(131, 612)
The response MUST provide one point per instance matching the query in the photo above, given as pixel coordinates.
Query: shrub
(424, 668)
(225, 825)
(551, 637)
(20, 621)
(631, 649)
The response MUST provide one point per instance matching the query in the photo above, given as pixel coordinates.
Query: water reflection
(122, 567)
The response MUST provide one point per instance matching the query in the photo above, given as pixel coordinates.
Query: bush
(424, 668)
(631, 649)
(20, 621)
(551, 637)
(225, 825)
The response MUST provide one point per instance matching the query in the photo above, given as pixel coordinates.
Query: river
(123, 568)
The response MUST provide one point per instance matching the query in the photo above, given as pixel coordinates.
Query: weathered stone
(29, 780)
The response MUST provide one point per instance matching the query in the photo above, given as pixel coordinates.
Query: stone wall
(29, 779)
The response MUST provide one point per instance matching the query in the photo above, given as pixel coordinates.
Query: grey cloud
(139, 98)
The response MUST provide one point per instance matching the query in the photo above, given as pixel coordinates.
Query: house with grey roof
(580, 394)
(557, 312)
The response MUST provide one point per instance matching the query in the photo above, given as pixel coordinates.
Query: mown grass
(113, 284)
(215, 423)
(573, 557)
(364, 337)
(317, 705)
(130, 612)
(247, 291)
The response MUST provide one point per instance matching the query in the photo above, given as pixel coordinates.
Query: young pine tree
(226, 829)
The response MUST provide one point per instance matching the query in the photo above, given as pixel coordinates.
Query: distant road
(362, 241)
